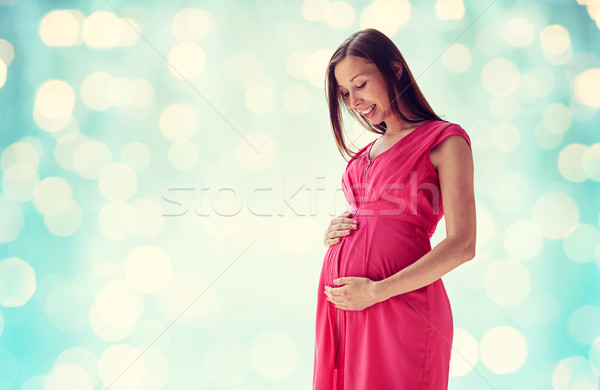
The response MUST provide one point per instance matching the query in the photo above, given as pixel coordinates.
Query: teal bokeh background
(173, 215)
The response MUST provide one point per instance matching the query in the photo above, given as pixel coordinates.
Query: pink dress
(403, 342)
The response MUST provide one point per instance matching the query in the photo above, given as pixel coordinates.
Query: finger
(337, 233)
(332, 241)
(349, 225)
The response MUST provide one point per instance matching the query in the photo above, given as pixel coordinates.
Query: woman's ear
(397, 69)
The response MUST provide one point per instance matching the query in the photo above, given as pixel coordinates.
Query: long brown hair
(377, 48)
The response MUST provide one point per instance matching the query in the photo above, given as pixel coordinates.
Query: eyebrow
(355, 76)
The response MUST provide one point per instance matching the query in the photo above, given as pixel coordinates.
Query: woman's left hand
(354, 293)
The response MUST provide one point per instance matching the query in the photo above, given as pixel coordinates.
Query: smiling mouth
(367, 111)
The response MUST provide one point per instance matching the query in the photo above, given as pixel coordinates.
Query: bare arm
(454, 163)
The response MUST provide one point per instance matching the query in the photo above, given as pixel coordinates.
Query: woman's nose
(354, 101)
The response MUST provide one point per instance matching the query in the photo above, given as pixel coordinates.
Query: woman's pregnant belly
(379, 248)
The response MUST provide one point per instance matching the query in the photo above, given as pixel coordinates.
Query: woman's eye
(345, 95)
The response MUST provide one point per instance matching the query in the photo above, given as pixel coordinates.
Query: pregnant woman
(383, 318)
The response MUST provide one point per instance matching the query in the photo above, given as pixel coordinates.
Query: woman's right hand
(339, 227)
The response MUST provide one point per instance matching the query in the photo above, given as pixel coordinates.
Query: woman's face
(363, 88)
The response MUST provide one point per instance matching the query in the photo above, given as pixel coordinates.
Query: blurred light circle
(523, 240)
(257, 151)
(186, 60)
(574, 373)
(570, 163)
(503, 349)
(314, 10)
(581, 245)
(226, 362)
(99, 91)
(7, 52)
(464, 354)
(590, 162)
(70, 376)
(148, 269)
(507, 282)
(43, 382)
(273, 355)
(126, 91)
(19, 182)
(546, 138)
(556, 213)
(316, 65)
(505, 108)
(17, 282)
(584, 323)
(192, 24)
(117, 181)
(53, 196)
(594, 354)
(12, 220)
(65, 148)
(296, 98)
(259, 99)
(450, 9)
(90, 159)
(471, 274)
(386, 15)
(519, 32)
(59, 28)
(546, 78)
(130, 32)
(292, 237)
(148, 220)
(587, 87)
(505, 137)
(296, 63)
(580, 111)
(557, 117)
(3, 73)
(191, 298)
(183, 154)
(457, 58)
(529, 88)
(116, 220)
(101, 30)
(339, 14)
(20, 153)
(178, 122)
(136, 155)
(145, 334)
(121, 367)
(66, 223)
(157, 370)
(485, 226)
(500, 77)
(554, 39)
(511, 192)
(82, 357)
(118, 304)
(243, 67)
(143, 93)
(55, 99)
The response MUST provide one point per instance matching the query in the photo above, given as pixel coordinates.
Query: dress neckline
(368, 154)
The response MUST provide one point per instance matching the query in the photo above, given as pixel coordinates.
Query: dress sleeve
(452, 129)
